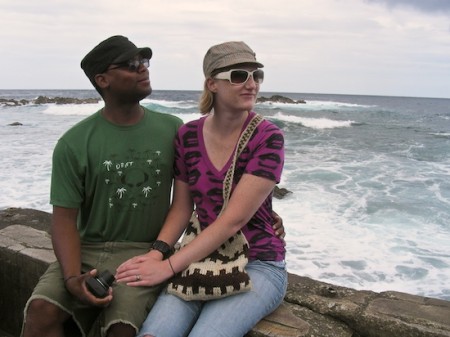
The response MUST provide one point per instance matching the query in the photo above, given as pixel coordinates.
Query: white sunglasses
(240, 76)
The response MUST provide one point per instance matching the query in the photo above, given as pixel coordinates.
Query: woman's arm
(175, 223)
(179, 214)
(247, 197)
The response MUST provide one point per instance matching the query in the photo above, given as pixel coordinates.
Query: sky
(357, 47)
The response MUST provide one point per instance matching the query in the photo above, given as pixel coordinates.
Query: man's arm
(67, 247)
(66, 240)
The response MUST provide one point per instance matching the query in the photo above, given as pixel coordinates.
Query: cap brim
(145, 52)
(259, 65)
(235, 65)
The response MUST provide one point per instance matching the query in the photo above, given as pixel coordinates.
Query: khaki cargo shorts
(130, 305)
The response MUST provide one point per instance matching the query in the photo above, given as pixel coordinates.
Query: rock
(65, 100)
(12, 102)
(280, 193)
(15, 124)
(48, 100)
(279, 99)
(367, 313)
(25, 216)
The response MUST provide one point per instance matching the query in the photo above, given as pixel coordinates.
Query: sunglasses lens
(241, 76)
(238, 76)
(134, 64)
(258, 76)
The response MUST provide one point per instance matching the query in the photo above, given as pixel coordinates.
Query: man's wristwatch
(162, 247)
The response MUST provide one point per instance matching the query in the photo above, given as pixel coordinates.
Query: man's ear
(101, 80)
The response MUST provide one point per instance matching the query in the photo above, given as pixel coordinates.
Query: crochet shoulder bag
(222, 273)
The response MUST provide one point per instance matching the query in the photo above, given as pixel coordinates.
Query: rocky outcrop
(25, 216)
(310, 308)
(279, 99)
(12, 102)
(71, 100)
(280, 192)
(65, 100)
(48, 100)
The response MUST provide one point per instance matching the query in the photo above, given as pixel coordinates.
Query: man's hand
(77, 287)
(278, 226)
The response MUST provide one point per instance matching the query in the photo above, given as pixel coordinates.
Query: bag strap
(242, 143)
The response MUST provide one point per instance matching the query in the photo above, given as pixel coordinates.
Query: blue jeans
(231, 316)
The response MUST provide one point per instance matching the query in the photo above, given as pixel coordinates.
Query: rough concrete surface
(310, 309)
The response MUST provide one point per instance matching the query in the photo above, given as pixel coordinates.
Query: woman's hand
(144, 270)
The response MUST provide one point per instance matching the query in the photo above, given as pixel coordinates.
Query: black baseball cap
(115, 49)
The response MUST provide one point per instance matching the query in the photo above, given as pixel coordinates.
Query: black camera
(99, 285)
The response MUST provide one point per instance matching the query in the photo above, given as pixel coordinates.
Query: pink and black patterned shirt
(263, 157)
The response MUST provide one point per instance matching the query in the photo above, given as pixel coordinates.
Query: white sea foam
(72, 109)
(171, 104)
(334, 104)
(314, 123)
(371, 194)
(312, 105)
(441, 134)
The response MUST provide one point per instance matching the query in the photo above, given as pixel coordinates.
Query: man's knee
(42, 311)
(121, 330)
(43, 319)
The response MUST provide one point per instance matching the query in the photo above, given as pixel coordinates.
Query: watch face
(159, 246)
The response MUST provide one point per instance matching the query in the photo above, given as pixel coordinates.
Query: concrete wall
(24, 255)
(311, 308)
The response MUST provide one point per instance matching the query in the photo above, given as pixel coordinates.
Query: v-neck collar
(201, 141)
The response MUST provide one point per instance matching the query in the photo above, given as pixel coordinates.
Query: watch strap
(162, 247)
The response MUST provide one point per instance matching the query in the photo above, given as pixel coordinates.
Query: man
(110, 190)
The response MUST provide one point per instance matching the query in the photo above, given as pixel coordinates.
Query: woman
(205, 149)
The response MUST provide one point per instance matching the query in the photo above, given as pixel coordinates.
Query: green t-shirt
(120, 177)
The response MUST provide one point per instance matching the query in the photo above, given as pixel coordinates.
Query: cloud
(323, 46)
(428, 6)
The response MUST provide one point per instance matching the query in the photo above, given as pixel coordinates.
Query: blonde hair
(206, 102)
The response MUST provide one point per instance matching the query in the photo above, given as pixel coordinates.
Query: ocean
(369, 176)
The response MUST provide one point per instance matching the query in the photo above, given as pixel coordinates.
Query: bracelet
(171, 267)
(68, 278)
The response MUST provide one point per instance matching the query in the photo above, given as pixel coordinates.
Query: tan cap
(227, 54)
